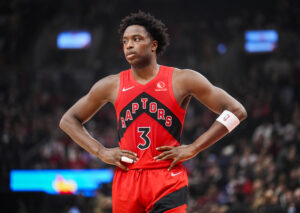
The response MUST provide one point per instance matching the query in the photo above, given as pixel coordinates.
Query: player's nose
(129, 44)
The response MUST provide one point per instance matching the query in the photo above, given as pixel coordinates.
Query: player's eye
(137, 39)
(124, 41)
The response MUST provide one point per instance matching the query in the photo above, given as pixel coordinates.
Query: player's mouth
(130, 55)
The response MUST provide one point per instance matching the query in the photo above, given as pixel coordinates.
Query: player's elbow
(241, 113)
(68, 121)
(63, 123)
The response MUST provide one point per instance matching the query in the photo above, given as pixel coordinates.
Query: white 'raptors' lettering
(128, 115)
(144, 100)
(161, 114)
(135, 107)
(168, 121)
(123, 123)
(151, 107)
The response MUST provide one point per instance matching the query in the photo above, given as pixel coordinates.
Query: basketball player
(150, 102)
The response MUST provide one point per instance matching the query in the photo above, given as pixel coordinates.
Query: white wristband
(229, 120)
(126, 159)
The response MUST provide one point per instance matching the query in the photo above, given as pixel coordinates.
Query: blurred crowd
(253, 169)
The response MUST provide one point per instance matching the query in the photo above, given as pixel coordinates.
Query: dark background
(253, 169)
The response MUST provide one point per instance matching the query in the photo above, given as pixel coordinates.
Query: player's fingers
(161, 155)
(128, 152)
(127, 159)
(122, 166)
(134, 158)
(166, 157)
(164, 148)
(175, 161)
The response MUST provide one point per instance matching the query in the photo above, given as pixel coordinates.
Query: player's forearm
(218, 130)
(73, 127)
(211, 136)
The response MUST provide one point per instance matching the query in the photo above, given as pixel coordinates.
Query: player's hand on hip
(177, 154)
(114, 156)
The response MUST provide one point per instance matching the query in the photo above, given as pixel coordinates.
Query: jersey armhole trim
(170, 82)
(119, 93)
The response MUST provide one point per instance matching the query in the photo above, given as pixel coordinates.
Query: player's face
(138, 46)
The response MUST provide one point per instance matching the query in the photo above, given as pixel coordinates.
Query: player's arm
(215, 98)
(105, 90)
(192, 83)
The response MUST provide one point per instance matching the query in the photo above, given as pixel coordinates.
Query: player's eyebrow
(133, 36)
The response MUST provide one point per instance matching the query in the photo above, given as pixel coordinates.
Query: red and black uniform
(149, 116)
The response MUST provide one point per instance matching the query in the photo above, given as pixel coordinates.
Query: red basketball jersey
(148, 116)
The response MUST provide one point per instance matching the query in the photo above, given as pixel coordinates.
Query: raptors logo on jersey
(144, 105)
(148, 116)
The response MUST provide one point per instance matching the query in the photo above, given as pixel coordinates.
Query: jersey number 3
(144, 136)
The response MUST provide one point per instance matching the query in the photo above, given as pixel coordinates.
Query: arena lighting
(60, 181)
(261, 41)
(74, 40)
(221, 48)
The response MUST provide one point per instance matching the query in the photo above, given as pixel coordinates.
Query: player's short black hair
(155, 27)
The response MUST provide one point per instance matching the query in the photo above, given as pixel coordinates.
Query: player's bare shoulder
(185, 74)
(185, 78)
(106, 88)
(190, 80)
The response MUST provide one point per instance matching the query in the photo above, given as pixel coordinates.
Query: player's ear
(154, 46)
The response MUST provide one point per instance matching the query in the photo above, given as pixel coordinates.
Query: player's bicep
(86, 107)
(211, 96)
(218, 100)
(89, 104)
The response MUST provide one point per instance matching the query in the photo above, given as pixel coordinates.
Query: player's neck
(145, 73)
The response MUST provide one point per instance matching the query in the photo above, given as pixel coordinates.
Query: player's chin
(132, 62)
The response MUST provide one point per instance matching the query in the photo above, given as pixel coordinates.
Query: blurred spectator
(271, 204)
(239, 204)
